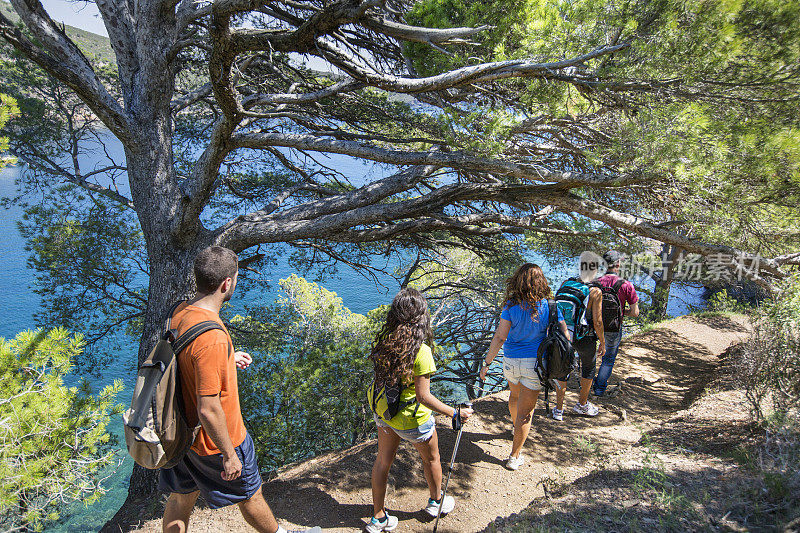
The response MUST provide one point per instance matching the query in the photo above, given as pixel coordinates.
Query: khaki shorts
(521, 370)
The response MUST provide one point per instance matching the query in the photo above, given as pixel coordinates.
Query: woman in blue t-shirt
(523, 326)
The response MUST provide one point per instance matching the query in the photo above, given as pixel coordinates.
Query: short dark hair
(212, 266)
(612, 258)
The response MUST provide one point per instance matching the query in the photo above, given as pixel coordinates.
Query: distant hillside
(96, 47)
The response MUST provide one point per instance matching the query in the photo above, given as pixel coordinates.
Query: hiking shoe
(387, 523)
(513, 463)
(589, 409)
(558, 414)
(433, 506)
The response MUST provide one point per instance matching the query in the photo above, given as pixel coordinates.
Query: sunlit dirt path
(658, 373)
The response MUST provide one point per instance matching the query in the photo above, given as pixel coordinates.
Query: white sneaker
(513, 463)
(558, 414)
(589, 409)
(433, 506)
(387, 523)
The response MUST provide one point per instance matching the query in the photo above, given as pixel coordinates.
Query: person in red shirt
(629, 301)
(221, 464)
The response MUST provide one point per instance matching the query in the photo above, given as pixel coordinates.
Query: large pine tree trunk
(171, 247)
(171, 280)
(156, 193)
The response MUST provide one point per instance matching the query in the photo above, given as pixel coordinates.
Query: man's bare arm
(596, 305)
(214, 422)
(633, 310)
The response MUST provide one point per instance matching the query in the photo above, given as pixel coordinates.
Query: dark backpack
(556, 356)
(572, 299)
(612, 307)
(391, 393)
(156, 431)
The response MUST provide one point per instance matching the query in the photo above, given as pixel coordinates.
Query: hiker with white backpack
(402, 403)
(619, 300)
(524, 323)
(581, 305)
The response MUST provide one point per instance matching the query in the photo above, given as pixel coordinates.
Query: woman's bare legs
(388, 441)
(432, 464)
(522, 422)
(512, 400)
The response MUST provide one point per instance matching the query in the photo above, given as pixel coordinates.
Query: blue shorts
(204, 473)
(419, 434)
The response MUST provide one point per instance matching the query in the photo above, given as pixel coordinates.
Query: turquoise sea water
(358, 293)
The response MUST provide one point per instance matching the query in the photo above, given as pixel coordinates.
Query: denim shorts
(419, 434)
(203, 473)
(521, 370)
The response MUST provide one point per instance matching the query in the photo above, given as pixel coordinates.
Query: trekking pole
(468, 405)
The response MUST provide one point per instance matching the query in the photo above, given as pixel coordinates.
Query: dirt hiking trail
(658, 373)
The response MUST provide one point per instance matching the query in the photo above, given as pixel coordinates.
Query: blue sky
(83, 15)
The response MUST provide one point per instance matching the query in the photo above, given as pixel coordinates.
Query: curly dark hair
(407, 326)
(527, 287)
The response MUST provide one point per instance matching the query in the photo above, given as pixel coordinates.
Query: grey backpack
(156, 431)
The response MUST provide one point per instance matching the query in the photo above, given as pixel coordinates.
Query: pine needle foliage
(55, 447)
(8, 109)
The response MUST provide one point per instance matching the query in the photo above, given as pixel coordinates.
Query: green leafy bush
(305, 392)
(8, 108)
(722, 302)
(769, 363)
(54, 444)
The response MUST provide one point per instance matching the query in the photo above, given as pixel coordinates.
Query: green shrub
(304, 393)
(54, 443)
(769, 362)
(769, 367)
(722, 302)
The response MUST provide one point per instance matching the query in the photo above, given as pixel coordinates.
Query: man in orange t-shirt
(208, 369)
(221, 463)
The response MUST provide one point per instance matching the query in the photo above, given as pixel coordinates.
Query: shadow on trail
(327, 512)
(723, 439)
(638, 499)
(723, 323)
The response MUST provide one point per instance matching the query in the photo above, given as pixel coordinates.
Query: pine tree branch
(62, 59)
